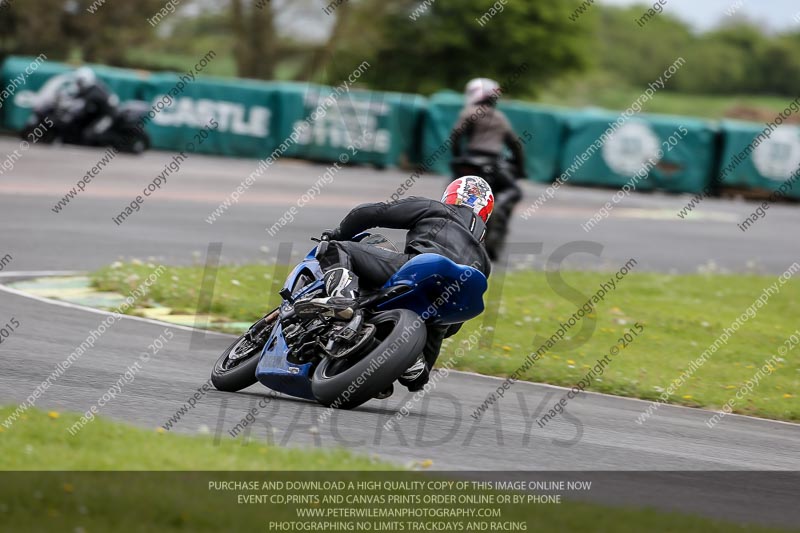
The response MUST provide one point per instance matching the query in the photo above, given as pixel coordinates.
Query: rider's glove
(328, 235)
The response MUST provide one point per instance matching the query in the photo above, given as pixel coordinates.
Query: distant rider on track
(488, 131)
(95, 102)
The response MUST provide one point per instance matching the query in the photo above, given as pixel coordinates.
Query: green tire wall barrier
(541, 130)
(254, 118)
(686, 146)
(243, 111)
(49, 76)
(411, 110)
(16, 109)
(242, 108)
(320, 123)
(357, 126)
(751, 160)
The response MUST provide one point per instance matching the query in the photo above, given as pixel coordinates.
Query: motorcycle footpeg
(346, 335)
(349, 332)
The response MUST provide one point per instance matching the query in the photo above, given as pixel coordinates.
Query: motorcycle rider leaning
(488, 131)
(453, 227)
(97, 103)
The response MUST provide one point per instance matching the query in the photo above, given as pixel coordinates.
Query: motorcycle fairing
(277, 373)
(274, 369)
(431, 276)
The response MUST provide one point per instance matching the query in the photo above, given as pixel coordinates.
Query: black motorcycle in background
(120, 128)
(501, 173)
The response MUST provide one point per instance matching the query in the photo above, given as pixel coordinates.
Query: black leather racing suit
(452, 231)
(97, 104)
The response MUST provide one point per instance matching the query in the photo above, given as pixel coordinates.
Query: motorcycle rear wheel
(335, 381)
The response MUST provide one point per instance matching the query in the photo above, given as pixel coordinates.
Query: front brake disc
(365, 336)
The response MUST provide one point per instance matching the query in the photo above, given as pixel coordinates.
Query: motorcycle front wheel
(33, 133)
(133, 142)
(348, 382)
(236, 367)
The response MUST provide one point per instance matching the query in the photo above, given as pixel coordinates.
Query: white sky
(778, 15)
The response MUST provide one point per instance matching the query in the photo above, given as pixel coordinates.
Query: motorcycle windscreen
(442, 292)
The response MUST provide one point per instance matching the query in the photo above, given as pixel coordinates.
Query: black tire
(48, 137)
(133, 142)
(388, 358)
(233, 376)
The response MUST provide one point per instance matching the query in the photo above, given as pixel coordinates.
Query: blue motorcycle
(344, 363)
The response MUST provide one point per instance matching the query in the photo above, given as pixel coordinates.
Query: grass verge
(98, 499)
(40, 441)
(601, 92)
(681, 315)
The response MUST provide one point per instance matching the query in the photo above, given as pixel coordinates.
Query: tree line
(416, 46)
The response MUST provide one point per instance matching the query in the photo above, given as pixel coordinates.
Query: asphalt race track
(171, 225)
(600, 432)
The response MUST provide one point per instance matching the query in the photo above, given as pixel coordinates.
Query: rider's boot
(341, 285)
(416, 376)
(385, 394)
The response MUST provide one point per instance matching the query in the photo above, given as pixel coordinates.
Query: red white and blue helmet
(472, 191)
